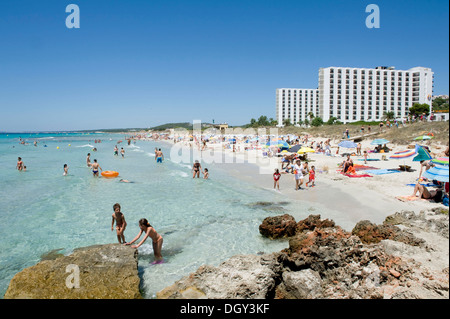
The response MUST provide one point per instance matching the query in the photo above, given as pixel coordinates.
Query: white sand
(345, 200)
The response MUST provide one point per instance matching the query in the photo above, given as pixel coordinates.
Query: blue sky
(145, 63)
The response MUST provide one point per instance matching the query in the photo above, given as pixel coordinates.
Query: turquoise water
(201, 221)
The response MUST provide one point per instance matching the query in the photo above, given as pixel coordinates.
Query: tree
(263, 121)
(332, 120)
(287, 122)
(419, 109)
(440, 104)
(317, 121)
(389, 115)
(252, 122)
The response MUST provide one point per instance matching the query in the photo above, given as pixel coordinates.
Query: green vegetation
(440, 104)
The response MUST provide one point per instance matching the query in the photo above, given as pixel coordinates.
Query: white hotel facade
(357, 94)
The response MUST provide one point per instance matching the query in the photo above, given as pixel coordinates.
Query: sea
(203, 222)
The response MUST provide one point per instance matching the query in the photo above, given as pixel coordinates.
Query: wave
(86, 145)
(179, 173)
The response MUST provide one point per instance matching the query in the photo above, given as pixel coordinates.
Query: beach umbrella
(440, 161)
(295, 148)
(347, 144)
(403, 155)
(278, 143)
(422, 154)
(304, 150)
(423, 137)
(438, 172)
(379, 141)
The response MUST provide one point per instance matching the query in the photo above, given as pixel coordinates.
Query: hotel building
(296, 104)
(359, 94)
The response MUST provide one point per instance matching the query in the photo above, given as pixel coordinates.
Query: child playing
(312, 177)
(156, 238)
(365, 157)
(276, 179)
(206, 174)
(66, 170)
(121, 224)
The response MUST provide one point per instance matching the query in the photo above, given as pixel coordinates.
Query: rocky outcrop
(324, 261)
(278, 227)
(102, 271)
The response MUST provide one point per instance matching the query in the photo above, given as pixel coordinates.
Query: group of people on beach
(299, 171)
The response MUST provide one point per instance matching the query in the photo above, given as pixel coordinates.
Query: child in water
(121, 224)
(206, 174)
(156, 238)
(66, 170)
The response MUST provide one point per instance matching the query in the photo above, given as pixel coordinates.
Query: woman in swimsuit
(156, 238)
(276, 179)
(424, 193)
(196, 169)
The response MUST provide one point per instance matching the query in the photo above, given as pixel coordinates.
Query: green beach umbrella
(423, 137)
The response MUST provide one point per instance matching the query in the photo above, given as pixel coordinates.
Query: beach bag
(445, 200)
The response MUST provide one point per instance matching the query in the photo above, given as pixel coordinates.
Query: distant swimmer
(125, 181)
(19, 165)
(159, 156)
(156, 238)
(122, 152)
(66, 170)
(116, 150)
(88, 160)
(95, 167)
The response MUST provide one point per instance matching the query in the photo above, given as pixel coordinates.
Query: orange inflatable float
(110, 174)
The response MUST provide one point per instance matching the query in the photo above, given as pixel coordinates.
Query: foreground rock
(406, 257)
(105, 271)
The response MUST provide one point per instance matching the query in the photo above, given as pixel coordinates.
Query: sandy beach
(344, 199)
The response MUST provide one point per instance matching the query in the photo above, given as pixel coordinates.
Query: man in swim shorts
(159, 156)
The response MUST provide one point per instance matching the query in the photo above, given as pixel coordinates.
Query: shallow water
(201, 221)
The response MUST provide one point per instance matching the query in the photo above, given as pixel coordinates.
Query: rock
(370, 233)
(304, 284)
(247, 277)
(312, 222)
(105, 271)
(278, 227)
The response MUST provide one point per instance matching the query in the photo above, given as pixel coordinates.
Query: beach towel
(409, 198)
(369, 159)
(357, 175)
(382, 171)
(359, 167)
(426, 185)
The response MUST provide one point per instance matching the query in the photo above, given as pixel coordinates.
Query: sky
(142, 63)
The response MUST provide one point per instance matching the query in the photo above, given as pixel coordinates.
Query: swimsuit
(276, 177)
(159, 160)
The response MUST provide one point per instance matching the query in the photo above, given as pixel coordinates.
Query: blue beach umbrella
(379, 141)
(438, 172)
(347, 144)
(278, 143)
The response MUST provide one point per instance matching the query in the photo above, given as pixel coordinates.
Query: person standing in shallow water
(157, 239)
